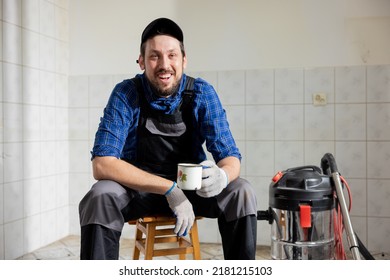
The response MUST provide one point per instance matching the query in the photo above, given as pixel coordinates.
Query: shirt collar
(166, 104)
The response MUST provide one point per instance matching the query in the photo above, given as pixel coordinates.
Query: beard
(159, 91)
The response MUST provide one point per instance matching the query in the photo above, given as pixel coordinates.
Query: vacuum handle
(328, 163)
(312, 167)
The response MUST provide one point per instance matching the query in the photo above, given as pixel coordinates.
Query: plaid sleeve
(117, 119)
(213, 123)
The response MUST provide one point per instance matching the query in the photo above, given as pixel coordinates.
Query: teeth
(164, 76)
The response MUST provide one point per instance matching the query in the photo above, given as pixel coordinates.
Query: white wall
(34, 185)
(231, 34)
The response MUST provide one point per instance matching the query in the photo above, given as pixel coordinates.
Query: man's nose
(164, 62)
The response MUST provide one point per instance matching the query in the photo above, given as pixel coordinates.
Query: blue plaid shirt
(117, 132)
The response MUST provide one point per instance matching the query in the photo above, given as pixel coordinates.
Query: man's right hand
(182, 208)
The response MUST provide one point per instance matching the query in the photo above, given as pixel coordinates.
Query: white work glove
(214, 179)
(182, 209)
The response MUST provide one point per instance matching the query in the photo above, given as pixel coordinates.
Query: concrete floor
(68, 248)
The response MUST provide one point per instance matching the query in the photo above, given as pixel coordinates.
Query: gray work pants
(108, 206)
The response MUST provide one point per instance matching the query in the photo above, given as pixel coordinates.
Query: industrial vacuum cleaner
(308, 214)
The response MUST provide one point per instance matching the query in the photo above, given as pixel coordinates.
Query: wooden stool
(159, 230)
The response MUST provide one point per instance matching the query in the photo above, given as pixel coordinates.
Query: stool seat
(153, 230)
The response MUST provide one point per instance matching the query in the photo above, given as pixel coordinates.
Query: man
(150, 124)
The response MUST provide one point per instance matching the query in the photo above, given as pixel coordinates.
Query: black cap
(162, 26)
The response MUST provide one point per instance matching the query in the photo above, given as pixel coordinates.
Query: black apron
(164, 140)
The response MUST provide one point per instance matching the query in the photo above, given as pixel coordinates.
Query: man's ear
(141, 62)
(184, 62)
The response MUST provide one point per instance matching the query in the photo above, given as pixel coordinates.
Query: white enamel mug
(189, 176)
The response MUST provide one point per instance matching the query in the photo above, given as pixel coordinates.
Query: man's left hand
(214, 179)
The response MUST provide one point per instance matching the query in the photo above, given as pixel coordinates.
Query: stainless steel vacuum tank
(301, 203)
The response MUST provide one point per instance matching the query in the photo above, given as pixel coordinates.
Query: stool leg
(138, 237)
(181, 256)
(149, 242)
(195, 241)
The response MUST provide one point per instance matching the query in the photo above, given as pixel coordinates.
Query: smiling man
(151, 123)
(163, 63)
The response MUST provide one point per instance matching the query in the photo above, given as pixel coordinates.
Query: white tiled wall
(34, 146)
(276, 125)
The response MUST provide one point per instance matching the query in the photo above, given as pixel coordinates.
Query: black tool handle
(328, 163)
